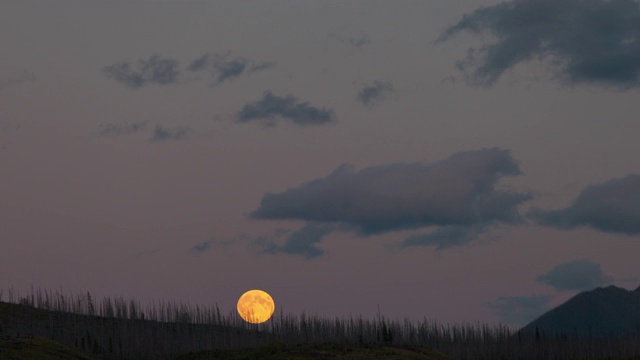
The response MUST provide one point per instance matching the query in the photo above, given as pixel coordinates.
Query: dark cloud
(447, 236)
(223, 67)
(155, 70)
(578, 275)
(202, 247)
(166, 71)
(161, 133)
(613, 206)
(375, 92)
(121, 129)
(300, 242)
(22, 77)
(458, 193)
(588, 41)
(272, 107)
(519, 310)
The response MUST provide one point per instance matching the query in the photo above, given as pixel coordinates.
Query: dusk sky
(460, 161)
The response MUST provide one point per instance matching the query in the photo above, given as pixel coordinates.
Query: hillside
(608, 311)
(32, 333)
(49, 325)
(37, 348)
(318, 351)
(121, 338)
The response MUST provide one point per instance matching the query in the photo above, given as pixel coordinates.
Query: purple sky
(459, 162)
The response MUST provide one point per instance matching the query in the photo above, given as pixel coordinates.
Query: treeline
(117, 328)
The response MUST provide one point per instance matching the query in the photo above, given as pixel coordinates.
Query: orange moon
(256, 306)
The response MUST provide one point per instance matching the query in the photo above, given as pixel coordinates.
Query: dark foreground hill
(27, 332)
(319, 351)
(37, 348)
(77, 327)
(604, 312)
(122, 338)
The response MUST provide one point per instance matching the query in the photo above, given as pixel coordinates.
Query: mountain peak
(604, 311)
(617, 289)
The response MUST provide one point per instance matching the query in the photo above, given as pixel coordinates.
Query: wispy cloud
(111, 129)
(202, 247)
(159, 70)
(301, 242)
(223, 67)
(448, 236)
(519, 310)
(577, 275)
(596, 41)
(358, 42)
(24, 76)
(261, 65)
(272, 107)
(155, 70)
(457, 195)
(613, 206)
(354, 41)
(161, 133)
(375, 92)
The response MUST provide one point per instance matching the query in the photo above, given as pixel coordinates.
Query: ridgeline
(49, 325)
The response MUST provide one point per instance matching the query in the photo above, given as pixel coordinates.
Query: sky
(458, 161)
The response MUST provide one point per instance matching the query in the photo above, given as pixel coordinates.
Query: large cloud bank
(459, 196)
(588, 41)
(612, 206)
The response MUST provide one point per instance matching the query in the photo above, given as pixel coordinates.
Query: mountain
(608, 311)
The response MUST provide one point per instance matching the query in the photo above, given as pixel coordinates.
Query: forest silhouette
(119, 328)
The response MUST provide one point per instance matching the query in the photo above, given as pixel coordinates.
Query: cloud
(272, 107)
(578, 275)
(22, 77)
(588, 41)
(358, 41)
(447, 236)
(110, 129)
(202, 247)
(300, 242)
(161, 133)
(223, 68)
(458, 194)
(519, 310)
(156, 70)
(166, 71)
(613, 206)
(261, 65)
(375, 92)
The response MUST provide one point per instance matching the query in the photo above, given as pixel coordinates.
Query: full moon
(256, 306)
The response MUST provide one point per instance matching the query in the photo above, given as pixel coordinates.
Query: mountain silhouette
(605, 311)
